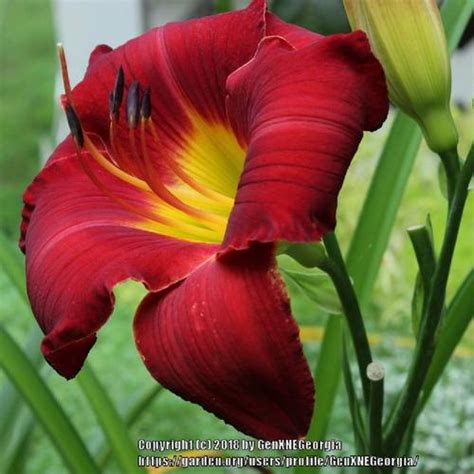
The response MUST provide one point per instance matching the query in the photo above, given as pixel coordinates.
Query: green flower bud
(408, 39)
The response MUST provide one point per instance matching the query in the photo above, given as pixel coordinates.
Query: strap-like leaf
(423, 244)
(112, 424)
(458, 316)
(130, 416)
(327, 375)
(113, 427)
(45, 406)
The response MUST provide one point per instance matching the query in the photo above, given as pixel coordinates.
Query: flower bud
(408, 39)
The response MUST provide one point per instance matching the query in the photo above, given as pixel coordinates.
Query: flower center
(190, 189)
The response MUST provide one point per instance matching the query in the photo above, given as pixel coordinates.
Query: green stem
(458, 316)
(450, 162)
(358, 424)
(425, 348)
(375, 374)
(336, 269)
(407, 443)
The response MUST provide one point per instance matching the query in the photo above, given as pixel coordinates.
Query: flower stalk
(406, 407)
(332, 262)
(376, 374)
(335, 267)
(451, 166)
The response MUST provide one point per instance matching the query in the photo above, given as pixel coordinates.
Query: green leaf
(422, 240)
(12, 264)
(327, 381)
(10, 399)
(381, 204)
(315, 284)
(455, 15)
(13, 457)
(113, 427)
(131, 415)
(45, 406)
(112, 424)
(458, 316)
(417, 305)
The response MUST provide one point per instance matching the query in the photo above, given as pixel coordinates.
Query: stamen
(145, 108)
(74, 125)
(120, 156)
(111, 168)
(116, 95)
(196, 224)
(64, 72)
(190, 230)
(112, 113)
(161, 190)
(133, 104)
(146, 166)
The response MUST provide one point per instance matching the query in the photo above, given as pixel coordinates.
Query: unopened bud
(408, 39)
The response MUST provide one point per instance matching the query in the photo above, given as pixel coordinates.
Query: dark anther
(74, 125)
(115, 99)
(133, 104)
(111, 106)
(145, 108)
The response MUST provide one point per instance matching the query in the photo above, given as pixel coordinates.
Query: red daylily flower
(236, 134)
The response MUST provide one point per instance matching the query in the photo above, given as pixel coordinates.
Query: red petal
(302, 113)
(225, 338)
(98, 52)
(78, 245)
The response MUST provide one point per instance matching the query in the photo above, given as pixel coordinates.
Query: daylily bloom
(408, 38)
(196, 147)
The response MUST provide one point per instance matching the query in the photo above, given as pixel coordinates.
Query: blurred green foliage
(27, 65)
(324, 16)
